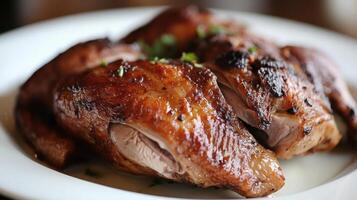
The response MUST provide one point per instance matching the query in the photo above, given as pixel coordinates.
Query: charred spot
(170, 112)
(293, 110)
(87, 105)
(163, 88)
(180, 117)
(228, 115)
(225, 114)
(264, 121)
(308, 102)
(118, 115)
(308, 72)
(264, 124)
(273, 80)
(118, 118)
(268, 62)
(74, 88)
(233, 59)
(267, 70)
(352, 112)
(76, 111)
(307, 130)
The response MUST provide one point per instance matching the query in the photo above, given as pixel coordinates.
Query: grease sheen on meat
(323, 72)
(266, 93)
(290, 115)
(176, 115)
(34, 115)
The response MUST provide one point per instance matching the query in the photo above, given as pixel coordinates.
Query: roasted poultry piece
(166, 119)
(180, 22)
(323, 72)
(34, 115)
(171, 118)
(286, 111)
(267, 93)
(174, 30)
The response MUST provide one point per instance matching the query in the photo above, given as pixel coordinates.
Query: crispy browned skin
(182, 106)
(34, 103)
(45, 136)
(182, 22)
(323, 72)
(268, 95)
(78, 58)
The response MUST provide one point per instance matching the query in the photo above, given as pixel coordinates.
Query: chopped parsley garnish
(213, 29)
(197, 65)
(167, 39)
(159, 60)
(189, 57)
(103, 63)
(252, 49)
(201, 32)
(192, 58)
(164, 46)
(217, 30)
(120, 71)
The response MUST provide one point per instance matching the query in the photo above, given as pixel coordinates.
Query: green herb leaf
(168, 39)
(164, 46)
(198, 65)
(217, 30)
(120, 71)
(153, 60)
(144, 46)
(103, 63)
(201, 32)
(189, 57)
(163, 60)
(252, 49)
(158, 60)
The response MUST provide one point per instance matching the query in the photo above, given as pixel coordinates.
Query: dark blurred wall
(7, 15)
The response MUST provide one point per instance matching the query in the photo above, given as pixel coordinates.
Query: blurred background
(340, 16)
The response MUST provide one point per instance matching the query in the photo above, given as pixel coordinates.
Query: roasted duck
(286, 112)
(34, 115)
(323, 72)
(187, 97)
(168, 120)
(267, 93)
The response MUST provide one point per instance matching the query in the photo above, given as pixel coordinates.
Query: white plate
(22, 51)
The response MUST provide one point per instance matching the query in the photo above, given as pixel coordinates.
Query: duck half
(168, 120)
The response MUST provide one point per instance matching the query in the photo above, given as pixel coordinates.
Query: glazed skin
(33, 110)
(170, 119)
(178, 107)
(323, 72)
(178, 21)
(286, 111)
(267, 94)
